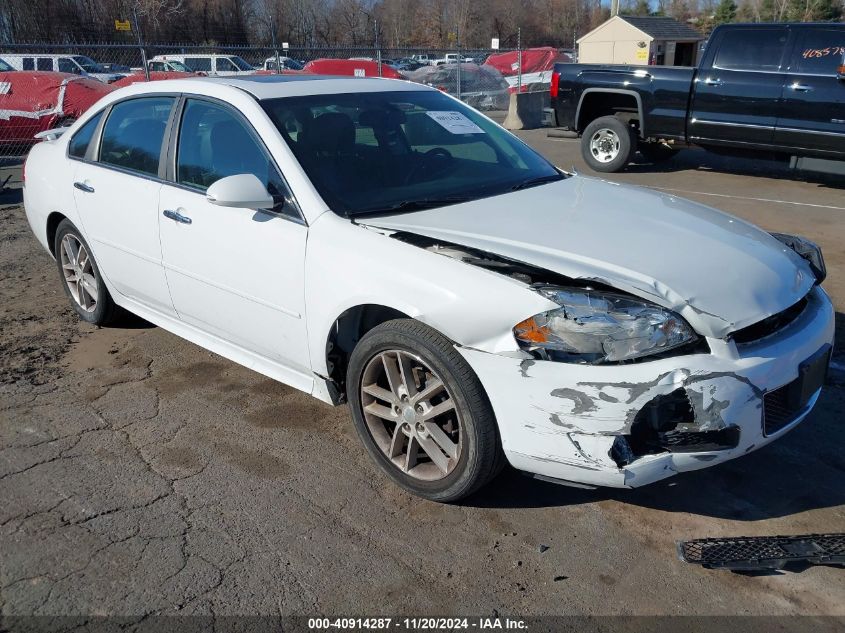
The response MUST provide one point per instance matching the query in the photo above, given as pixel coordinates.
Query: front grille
(770, 325)
(777, 409)
(763, 552)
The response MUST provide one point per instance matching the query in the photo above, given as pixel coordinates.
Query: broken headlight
(806, 249)
(595, 327)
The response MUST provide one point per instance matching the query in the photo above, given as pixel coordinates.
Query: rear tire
(81, 278)
(607, 144)
(442, 456)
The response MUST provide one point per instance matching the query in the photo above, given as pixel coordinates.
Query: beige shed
(643, 40)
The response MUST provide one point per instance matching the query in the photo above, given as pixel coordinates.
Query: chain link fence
(457, 71)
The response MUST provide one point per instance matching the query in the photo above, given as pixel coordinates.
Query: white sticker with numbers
(455, 122)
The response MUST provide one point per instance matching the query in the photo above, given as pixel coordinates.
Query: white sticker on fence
(5, 87)
(455, 122)
(360, 72)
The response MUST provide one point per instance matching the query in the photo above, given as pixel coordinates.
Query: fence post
(519, 59)
(378, 47)
(275, 47)
(459, 61)
(141, 43)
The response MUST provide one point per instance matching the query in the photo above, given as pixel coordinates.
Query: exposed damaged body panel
(655, 246)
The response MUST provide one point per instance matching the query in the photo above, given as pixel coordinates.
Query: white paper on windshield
(455, 122)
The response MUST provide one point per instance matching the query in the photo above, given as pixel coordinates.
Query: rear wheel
(421, 411)
(607, 144)
(81, 277)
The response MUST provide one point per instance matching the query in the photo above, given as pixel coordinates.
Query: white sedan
(379, 243)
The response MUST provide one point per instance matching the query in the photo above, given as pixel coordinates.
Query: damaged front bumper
(632, 424)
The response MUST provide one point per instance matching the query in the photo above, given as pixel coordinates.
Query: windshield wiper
(533, 182)
(412, 205)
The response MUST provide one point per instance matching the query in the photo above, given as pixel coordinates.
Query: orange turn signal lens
(530, 331)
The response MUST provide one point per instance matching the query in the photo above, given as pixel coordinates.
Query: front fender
(348, 265)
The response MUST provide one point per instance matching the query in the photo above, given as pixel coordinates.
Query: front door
(117, 196)
(737, 92)
(234, 273)
(813, 115)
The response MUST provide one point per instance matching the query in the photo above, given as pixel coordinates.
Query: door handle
(801, 88)
(713, 82)
(175, 215)
(83, 187)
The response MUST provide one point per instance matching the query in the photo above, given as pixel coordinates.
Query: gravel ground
(141, 475)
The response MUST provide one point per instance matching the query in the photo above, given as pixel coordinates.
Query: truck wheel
(657, 152)
(607, 144)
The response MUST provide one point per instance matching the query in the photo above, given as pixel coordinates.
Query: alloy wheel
(411, 415)
(79, 273)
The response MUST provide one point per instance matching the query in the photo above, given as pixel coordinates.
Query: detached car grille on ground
(763, 552)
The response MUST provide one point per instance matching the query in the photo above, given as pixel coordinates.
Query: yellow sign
(642, 56)
(122, 26)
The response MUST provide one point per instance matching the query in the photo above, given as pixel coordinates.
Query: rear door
(813, 114)
(116, 188)
(738, 88)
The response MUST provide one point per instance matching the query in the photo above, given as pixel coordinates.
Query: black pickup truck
(773, 90)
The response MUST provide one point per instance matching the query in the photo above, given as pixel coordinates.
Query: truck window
(198, 64)
(44, 63)
(28, 63)
(751, 49)
(67, 66)
(223, 65)
(819, 51)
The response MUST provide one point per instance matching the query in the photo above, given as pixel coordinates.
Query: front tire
(607, 144)
(421, 412)
(81, 277)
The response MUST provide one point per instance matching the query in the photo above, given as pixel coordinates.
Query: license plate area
(783, 405)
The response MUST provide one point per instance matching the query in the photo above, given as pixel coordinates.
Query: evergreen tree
(725, 12)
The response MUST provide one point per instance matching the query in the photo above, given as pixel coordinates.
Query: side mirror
(242, 191)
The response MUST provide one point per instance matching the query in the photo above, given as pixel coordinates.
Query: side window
(224, 64)
(751, 49)
(79, 143)
(198, 64)
(819, 51)
(44, 63)
(214, 143)
(133, 134)
(28, 63)
(67, 66)
(157, 66)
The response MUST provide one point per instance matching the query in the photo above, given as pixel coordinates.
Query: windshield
(383, 152)
(87, 64)
(4, 67)
(240, 63)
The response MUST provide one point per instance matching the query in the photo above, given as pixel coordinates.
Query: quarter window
(214, 143)
(751, 49)
(133, 134)
(79, 143)
(819, 51)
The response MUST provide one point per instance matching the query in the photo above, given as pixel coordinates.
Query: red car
(351, 68)
(35, 101)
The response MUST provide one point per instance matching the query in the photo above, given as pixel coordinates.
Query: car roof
(274, 86)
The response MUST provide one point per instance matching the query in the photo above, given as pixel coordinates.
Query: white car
(380, 243)
(213, 65)
(73, 64)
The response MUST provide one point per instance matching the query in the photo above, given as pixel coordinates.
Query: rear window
(819, 51)
(751, 49)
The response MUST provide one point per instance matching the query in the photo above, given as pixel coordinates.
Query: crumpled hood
(719, 272)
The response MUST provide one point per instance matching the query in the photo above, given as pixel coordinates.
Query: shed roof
(662, 28)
